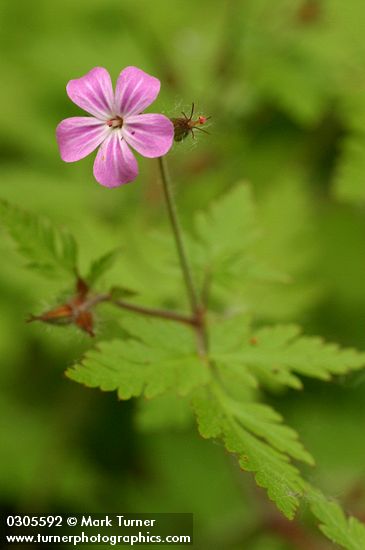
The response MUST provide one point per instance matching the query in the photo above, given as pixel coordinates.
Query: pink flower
(116, 123)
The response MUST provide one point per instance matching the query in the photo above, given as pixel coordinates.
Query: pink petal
(151, 135)
(135, 91)
(115, 163)
(78, 136)
(93, 93)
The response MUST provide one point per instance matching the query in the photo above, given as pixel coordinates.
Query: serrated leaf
(47, 249)
(252, 430)
(273, 470)
(209, 415)
(265, 422)
(228, 226)
(348, 532)
(225, 234)
(159, 356)
(100, 266)
(223, 250)
(273, 354)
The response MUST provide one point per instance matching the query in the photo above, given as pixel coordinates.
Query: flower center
(116, 122)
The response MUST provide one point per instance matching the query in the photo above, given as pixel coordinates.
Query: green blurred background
(284, 83)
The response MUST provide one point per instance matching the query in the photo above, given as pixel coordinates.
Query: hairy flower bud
(61, 315)
(75, 311)
(183, 126)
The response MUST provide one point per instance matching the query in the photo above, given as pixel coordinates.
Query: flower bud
(75, 311)
(61, 315)
(183, 126)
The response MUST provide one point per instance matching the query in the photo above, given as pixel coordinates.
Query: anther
(116, 122)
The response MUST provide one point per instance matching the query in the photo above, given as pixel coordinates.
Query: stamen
(116, 122)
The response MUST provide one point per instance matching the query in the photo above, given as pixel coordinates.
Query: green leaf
(228, 227)
(100, 266)
(239, 426)
(348, 532)
(159, 356)
(49, 250)
(224, 237)
(225, 409)
(276, 355)
(263, 421)
(224, 250)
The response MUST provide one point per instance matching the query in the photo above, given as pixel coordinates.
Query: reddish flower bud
(84, 320)
(75, 311)
(61, 315)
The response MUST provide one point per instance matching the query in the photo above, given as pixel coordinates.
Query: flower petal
(115, 163)
(149, 134)
(78, 136)
(93, 93)
(135, 91)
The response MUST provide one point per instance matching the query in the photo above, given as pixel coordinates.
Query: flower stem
(171, 208)
(197, 309)
(196, 319)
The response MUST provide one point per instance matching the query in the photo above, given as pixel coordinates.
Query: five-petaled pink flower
(116, 123)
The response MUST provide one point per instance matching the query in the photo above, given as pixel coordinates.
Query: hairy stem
(185, 267)
(143, 310)
(197, 309)
(196, 319)
(162, 313)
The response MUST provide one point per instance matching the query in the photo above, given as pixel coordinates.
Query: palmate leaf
(159, 356)
(219, 245)
(160, 359)
(49, 250)
(347, 532)
(223, 250)
(225, 235)
(229, 225)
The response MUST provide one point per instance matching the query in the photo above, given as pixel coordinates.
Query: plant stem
(171, 208)
(196, 319)
(197, 308)
(162, 313)
(143, 310)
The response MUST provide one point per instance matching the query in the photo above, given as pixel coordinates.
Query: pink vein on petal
(115, 163)
(77, 137)
(135, 91)
(149, 134)
(93, 92)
